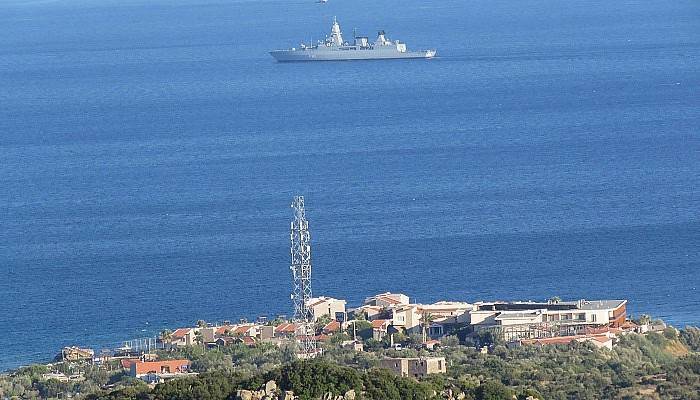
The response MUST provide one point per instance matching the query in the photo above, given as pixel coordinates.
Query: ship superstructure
(334, 48)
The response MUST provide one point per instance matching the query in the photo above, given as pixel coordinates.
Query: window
(593, 318)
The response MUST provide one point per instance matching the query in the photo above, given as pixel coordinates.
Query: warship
(334, 48)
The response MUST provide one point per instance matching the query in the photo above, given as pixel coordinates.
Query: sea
(150, 150)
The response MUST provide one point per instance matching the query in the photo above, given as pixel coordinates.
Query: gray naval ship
(334, 48)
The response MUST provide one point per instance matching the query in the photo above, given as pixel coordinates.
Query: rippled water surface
(149, 151)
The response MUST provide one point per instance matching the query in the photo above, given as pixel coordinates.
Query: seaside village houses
(519, 323)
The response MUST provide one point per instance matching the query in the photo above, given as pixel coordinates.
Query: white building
(406, 316)
(387, 299)
(598, 312)
(334, 308)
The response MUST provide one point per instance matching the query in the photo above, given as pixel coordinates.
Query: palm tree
(199, 338)
(166, 336)
(425, 319)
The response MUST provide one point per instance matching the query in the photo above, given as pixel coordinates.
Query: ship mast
(336, 35)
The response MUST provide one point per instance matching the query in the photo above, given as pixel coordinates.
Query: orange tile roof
(557, 340)
(146, 367)
(332, 326)
(378, 323)
(222, 330)
(180, 333)
(322, 338)
(242, 330)
(286, 328)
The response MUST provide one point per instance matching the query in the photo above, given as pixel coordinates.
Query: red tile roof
(322, 338)
(166, 366)
(180, 333)
(285, 328)
(248, 341)
(379, 323)
(222, 330)
(242, 330)
(333, 326)
(126, 362)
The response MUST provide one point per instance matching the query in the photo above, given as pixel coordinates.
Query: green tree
(493, 390)
(449, 341)
(381, 384)
(53, 388)
(322, 321)
(690, 336)
(425, 320)
(363, 329)
(315, 378)
(199, 338)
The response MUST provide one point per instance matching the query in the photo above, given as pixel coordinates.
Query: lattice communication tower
(301, 274)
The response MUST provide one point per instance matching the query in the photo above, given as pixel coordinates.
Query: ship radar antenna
(301, 275)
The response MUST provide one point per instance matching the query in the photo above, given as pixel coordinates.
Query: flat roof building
(334, 308)
(417, 367)
(521, 320)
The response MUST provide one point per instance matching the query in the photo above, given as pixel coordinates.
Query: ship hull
(347, 55)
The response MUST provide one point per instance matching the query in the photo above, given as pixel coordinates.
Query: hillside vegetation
(650, 366)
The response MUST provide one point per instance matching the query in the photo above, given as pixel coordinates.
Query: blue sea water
(149, 150)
